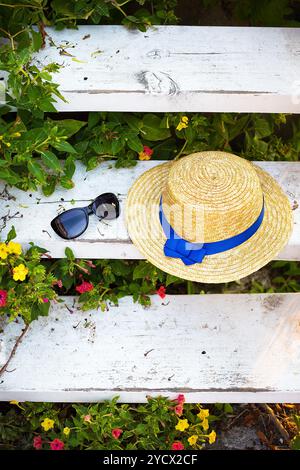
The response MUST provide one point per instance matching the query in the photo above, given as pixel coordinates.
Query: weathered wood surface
(176, 68)
(31, 213)
(217, 348)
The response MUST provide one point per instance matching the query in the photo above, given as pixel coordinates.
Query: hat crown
(212, 196)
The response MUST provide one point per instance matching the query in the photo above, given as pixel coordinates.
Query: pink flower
(37, 442)
(180, 399)
(57, 444)
(3, 297)
(84, 287)
(161, 292)
(58, 283)
(87, 418)
(147, 150)
(90, 264)
(179, 409)
(116, 433)
(177, 446)
(45, 300)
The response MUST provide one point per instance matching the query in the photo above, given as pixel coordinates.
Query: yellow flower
(182, 425)
(205, 424)
(144, 156)
(203, 414)
(212, 437)
(47, 424)
(183, 124)
(193, 439)
(16, 134)
(3, 251)
(17, 403)
(66, 431)
(14, 248)
(20, 272)
(8, 144)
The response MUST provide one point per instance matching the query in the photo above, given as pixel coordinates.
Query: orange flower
(146, 153)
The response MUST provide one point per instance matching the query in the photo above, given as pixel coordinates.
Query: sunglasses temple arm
(89, 209)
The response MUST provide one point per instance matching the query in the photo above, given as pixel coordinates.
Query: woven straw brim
(142, 217)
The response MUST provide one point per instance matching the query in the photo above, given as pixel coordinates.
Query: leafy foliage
(26, 286)
(39, 150)
(90, 426)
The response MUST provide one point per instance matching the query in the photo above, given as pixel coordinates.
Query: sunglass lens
(71, 223)
(107, 206)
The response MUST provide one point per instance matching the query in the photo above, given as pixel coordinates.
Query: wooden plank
(219, 348)
(176, 68)
(110, 239)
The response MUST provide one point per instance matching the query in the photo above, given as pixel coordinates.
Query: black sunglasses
(73, 222)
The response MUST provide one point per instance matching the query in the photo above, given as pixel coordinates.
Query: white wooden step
(217, 348)
(33, 212)
(177, 68)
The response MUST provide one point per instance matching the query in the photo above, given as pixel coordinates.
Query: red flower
(116, 433)
(57, 444)
(84, 287)
(147, 150)
(37, 442)
(177, 446)
(3, 297)
(180, 399)
(161, 292)
(179, 409)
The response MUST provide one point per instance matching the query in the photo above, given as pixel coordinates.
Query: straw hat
(208, 198)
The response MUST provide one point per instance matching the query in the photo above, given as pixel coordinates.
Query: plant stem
(13, 351)
(276, 422)
(180, 152)
(117, 6)
(190, 287)
(20, 5)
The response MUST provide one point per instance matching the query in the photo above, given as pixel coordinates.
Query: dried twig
(13, 351)
(276, 422)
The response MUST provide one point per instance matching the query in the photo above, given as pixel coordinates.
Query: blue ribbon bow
(191, 253)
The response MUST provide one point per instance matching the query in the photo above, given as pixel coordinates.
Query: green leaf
(9, 176)
(228, 408)
(117, 145)
(171, 279)
(37, 40)
(143, 270)
(151, 129)
(36, 170)
(38, 309)
(69, 254)
(134, 143)
(66, 182)
(93, 120)
(51, 160)
(49, 187)
(262, 127)
(64, 146)
(295, 444)
(11, 234)
(68, 127)
(69, 167)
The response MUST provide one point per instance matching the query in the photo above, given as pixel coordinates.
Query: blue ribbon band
(191, 253)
